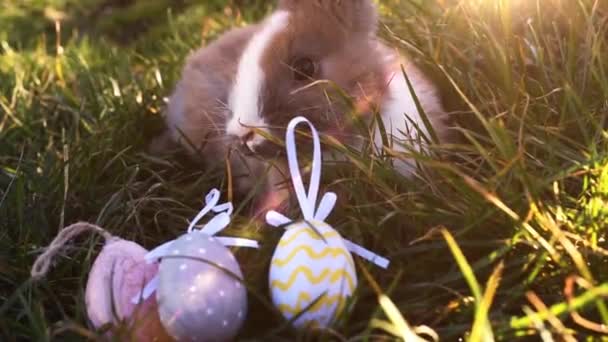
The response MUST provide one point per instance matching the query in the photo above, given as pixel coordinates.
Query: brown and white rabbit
(255, 79)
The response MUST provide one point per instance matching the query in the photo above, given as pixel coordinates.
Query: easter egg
(312, 274)
(200, 292)
(119, 273)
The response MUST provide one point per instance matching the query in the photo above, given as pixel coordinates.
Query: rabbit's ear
(358, 16)
(284, 3)
(288, 4)
(364, 14)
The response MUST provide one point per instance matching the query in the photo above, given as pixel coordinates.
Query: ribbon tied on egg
(312, 272)
(200, 294)
(199, 286)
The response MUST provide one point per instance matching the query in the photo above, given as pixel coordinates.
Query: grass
(501, 235)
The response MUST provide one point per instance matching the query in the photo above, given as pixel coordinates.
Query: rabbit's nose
(248, 142)
(248, 137)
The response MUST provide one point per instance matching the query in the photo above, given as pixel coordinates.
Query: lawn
(502, 234)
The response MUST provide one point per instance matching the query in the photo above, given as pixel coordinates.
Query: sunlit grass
(502, 234)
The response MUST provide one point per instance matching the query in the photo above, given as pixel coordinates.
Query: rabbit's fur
(253, 80)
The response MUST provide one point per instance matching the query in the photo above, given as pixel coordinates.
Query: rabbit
(247, 85)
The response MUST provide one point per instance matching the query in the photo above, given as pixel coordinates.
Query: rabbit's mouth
(263, 150)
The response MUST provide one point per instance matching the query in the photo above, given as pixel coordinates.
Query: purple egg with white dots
(200, 292)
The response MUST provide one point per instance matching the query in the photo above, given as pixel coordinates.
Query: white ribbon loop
(326, 206)
(238, 242)
(212, 197)
(227, 207)
(366, 254)
(147, 291)
(276, 219)
(164, 250)
(210, 202)
(307, 200)
(158, 252)
(216, 224)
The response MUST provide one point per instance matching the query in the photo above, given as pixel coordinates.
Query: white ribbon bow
(308, 200)
(214, 226)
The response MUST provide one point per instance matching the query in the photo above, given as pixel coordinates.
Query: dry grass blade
(481, 321)
(575, 303)
(559, 327)
(481, 327)
(578, 319)
(398, 325)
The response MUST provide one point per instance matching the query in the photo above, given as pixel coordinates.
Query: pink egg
(117, 275)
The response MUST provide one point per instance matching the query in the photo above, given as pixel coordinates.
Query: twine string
(43, 262)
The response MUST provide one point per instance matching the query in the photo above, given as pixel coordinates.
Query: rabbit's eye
(304, 69)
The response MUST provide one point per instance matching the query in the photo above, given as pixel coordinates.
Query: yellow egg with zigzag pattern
(312, 274)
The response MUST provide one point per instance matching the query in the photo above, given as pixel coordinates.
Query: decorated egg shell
(313, 272)
(200, 293)
(118, 273)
